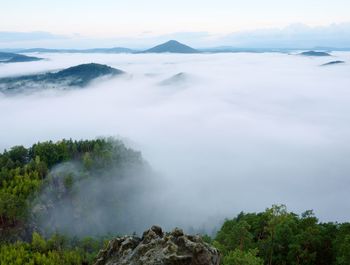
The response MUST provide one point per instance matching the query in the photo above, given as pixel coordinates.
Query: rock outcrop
(158, 248)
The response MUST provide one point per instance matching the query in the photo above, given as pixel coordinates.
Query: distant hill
(178, 79)
(219, 49)
(230, 49)
(41, 50)
(95, 50)
(171, 46)
(333, 63)
(314, 53)
(6, 57)
(76, 76)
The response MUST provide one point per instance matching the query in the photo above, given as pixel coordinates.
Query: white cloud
(293, 36)
(8, 36)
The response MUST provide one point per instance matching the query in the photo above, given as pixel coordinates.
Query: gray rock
(158, 248)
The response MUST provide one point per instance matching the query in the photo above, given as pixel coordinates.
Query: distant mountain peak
(172, 46)
(173, 42)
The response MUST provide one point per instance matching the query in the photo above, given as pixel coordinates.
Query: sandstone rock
(158, 248)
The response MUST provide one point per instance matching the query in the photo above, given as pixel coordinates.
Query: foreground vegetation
(56, 250)
(272, 237)
(279, 237)
(25, 172)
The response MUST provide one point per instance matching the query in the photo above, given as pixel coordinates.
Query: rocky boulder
(158, 248)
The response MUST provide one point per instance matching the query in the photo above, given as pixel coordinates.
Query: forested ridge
(24, 173)
(273, 237)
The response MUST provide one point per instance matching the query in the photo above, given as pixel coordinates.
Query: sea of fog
(233, 132)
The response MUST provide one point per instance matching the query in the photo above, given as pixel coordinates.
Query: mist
(96, 202)
(239, 132)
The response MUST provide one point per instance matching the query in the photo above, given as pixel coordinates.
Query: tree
(19, 155)
(342, 244)
(239, 257)
(87, 161)
(234, 234)
(38, 243)
(343, 255)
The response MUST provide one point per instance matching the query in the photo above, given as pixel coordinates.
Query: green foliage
(207, 239)
(36, 253)
(87, 161)
(342, 245)
(24, 173)
(239, 257)
(58, 250)
(343, 256)
(68, 181)
(284, 238)
(234, 234)
(38, 243)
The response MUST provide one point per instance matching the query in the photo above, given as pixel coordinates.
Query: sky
(88, 23)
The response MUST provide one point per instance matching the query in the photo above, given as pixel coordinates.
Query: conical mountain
(172, 46)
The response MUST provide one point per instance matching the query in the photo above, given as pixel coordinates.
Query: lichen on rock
(159, 248)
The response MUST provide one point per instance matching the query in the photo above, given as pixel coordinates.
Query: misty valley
(107, 153)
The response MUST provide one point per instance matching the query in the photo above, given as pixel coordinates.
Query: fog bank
(240, 132)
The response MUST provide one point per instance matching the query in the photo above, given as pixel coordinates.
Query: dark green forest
(273, 237)
(279, 237)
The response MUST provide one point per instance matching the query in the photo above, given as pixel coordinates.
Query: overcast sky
(106, 22)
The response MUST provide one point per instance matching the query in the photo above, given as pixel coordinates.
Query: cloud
(7, 36)
(297, 36)
(293, 36)
(18, 40)
(244, 131)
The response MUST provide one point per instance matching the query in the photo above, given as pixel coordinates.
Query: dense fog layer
(114, 200)
(232, 132)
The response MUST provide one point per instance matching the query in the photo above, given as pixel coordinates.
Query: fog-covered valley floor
(232, 132)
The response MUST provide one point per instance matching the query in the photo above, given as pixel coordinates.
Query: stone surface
(158, 248)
